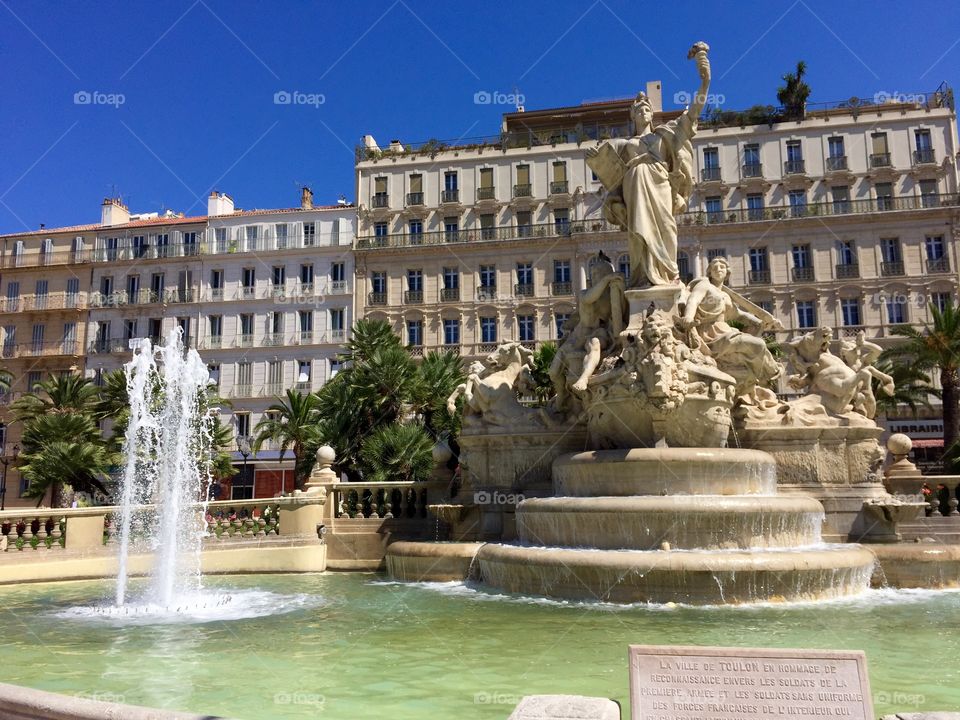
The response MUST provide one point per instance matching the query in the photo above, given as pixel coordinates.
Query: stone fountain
(627, 487)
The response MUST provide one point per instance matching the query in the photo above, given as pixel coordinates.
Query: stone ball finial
(326, 456)
(441, 453)
(899, 444)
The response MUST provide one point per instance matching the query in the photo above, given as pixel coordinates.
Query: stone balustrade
(366, 500)
(46, 529)
(242, 519)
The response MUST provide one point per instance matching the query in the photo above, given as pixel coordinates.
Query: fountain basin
(683, 521)
(663, 471)
(409, 561)
(692, 577)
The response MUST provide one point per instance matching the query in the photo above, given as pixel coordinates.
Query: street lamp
(3, 482)
(243, 445)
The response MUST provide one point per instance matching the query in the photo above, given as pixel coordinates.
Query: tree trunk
(950, 381)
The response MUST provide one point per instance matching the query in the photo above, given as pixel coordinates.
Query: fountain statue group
(651, 362)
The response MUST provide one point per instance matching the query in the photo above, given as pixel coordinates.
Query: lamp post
(243, 445)
(3, 482)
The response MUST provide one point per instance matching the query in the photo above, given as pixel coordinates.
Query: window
(213, 370)
(10, 341)
(306, 325)
(880, 155)
(415, 333)
(890, 248)
(798, 202)
(884, 196)
(526, 327)
(380, 192)
(846, 253)
(129, 329)
(243, 422)
(451, 278)
(522, 187)
(249, 280)
(220, 240)
(561, 221)
(836, 148)
(13, 296)
(246, 326)
(70, 336)
(163, 245)
(73, 290)
(896, 310)
(716, 253)
(338, 272)
(940, 300)
(37, 336)
(337, 320)
(488, 223)
(380, 231)
(252, 234)
(488, 277)
(184, 324)
(215, 323)
(525, 274)
(280, 229)
(928, 193)
(133, 288)
(623, 266)
(275, 326)
(923, 139)
(934, 247)
(309, 234)
(751, 159)
(190, 243)
(451, 226)
(841, 199)
(524, 223)
(416, 190)
(561, 320)
(415, 280)
(794, 162)
(450, 180)
(34, 378)
(711, 157)
(758, 260)
(139, 245)
(806, 314)
(451, 332)
(559, 183)
(378, 281)
(216, 280)
(801, 256)
(486, 184)
(335, 365)
(850, 309)
(488, 330)
(755, 206)
(306, 274)
(683, 266)
(416, 232)
(155, 329)
(714, 207)
(279, 276)
(561, 271)
(106, 286)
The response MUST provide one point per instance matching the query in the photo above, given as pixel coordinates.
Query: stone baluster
(272, 521)
(953, 507)
(56, 534)
(261, 525)
(42, 534)
(27, 534)
(248, 524)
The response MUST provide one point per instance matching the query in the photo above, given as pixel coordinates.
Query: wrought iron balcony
(938, 265)
(561, 288)
(377, 298)
(924, 156)
(752, 170)
(414, 198)
(709, 174)
(450, 196)
(559, 187)
(412, 297)
(450, 294)
(522, 191)
(523, 289)
(891, 268)
(381, 200)
(794, 167)
(486, 193)
(847, 270)
(803, 274)
(759, 277)
(879, 160)
(837, 162)
(487, 292)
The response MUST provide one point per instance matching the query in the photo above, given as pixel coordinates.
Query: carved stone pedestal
(643, 301)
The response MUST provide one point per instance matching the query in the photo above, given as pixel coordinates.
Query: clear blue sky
(198, 79)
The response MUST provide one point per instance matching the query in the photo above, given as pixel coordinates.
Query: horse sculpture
(490, 391)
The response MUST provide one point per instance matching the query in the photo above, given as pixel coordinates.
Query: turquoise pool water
(346, 646)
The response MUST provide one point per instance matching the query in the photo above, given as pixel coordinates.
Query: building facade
(265, 296)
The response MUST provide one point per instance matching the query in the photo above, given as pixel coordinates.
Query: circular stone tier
(665, 471)
(694, 577)
(410, 561)
(683, 521)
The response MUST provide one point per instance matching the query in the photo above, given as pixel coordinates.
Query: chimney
(306, 198)
(219, 204)
(114, 212)
(342, 200)
(655, 95)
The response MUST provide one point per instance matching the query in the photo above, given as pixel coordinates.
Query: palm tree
(221, 438)
(912, 388)
(437, 376)
(542, 360)
(367, 337)
(397, 452)
(67, 393)
(793, 94)
(292, 423)
(936, 347)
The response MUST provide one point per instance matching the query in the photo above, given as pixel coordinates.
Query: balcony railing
(413, 297)
(752, 170)
(510, 232)
(380, 200)
(830, 208)
(523, 289)
(377, 298)
(338, 287)
(938, 265)
(274, 339)
(559, 187)
(759, 277)
(709, 174)
(487, 292)
(450, 196)
(450, 294)
(879, 160)
(847, 270)
(802, 274)
(414, 199)
(561, 288)
(245, 340)
(837, 162)
(794, 167)
(50, 301)
(924, 156)
(891, 268)
(486, 193)
(523, 191)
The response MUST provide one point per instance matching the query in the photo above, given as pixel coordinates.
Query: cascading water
(167, 448)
